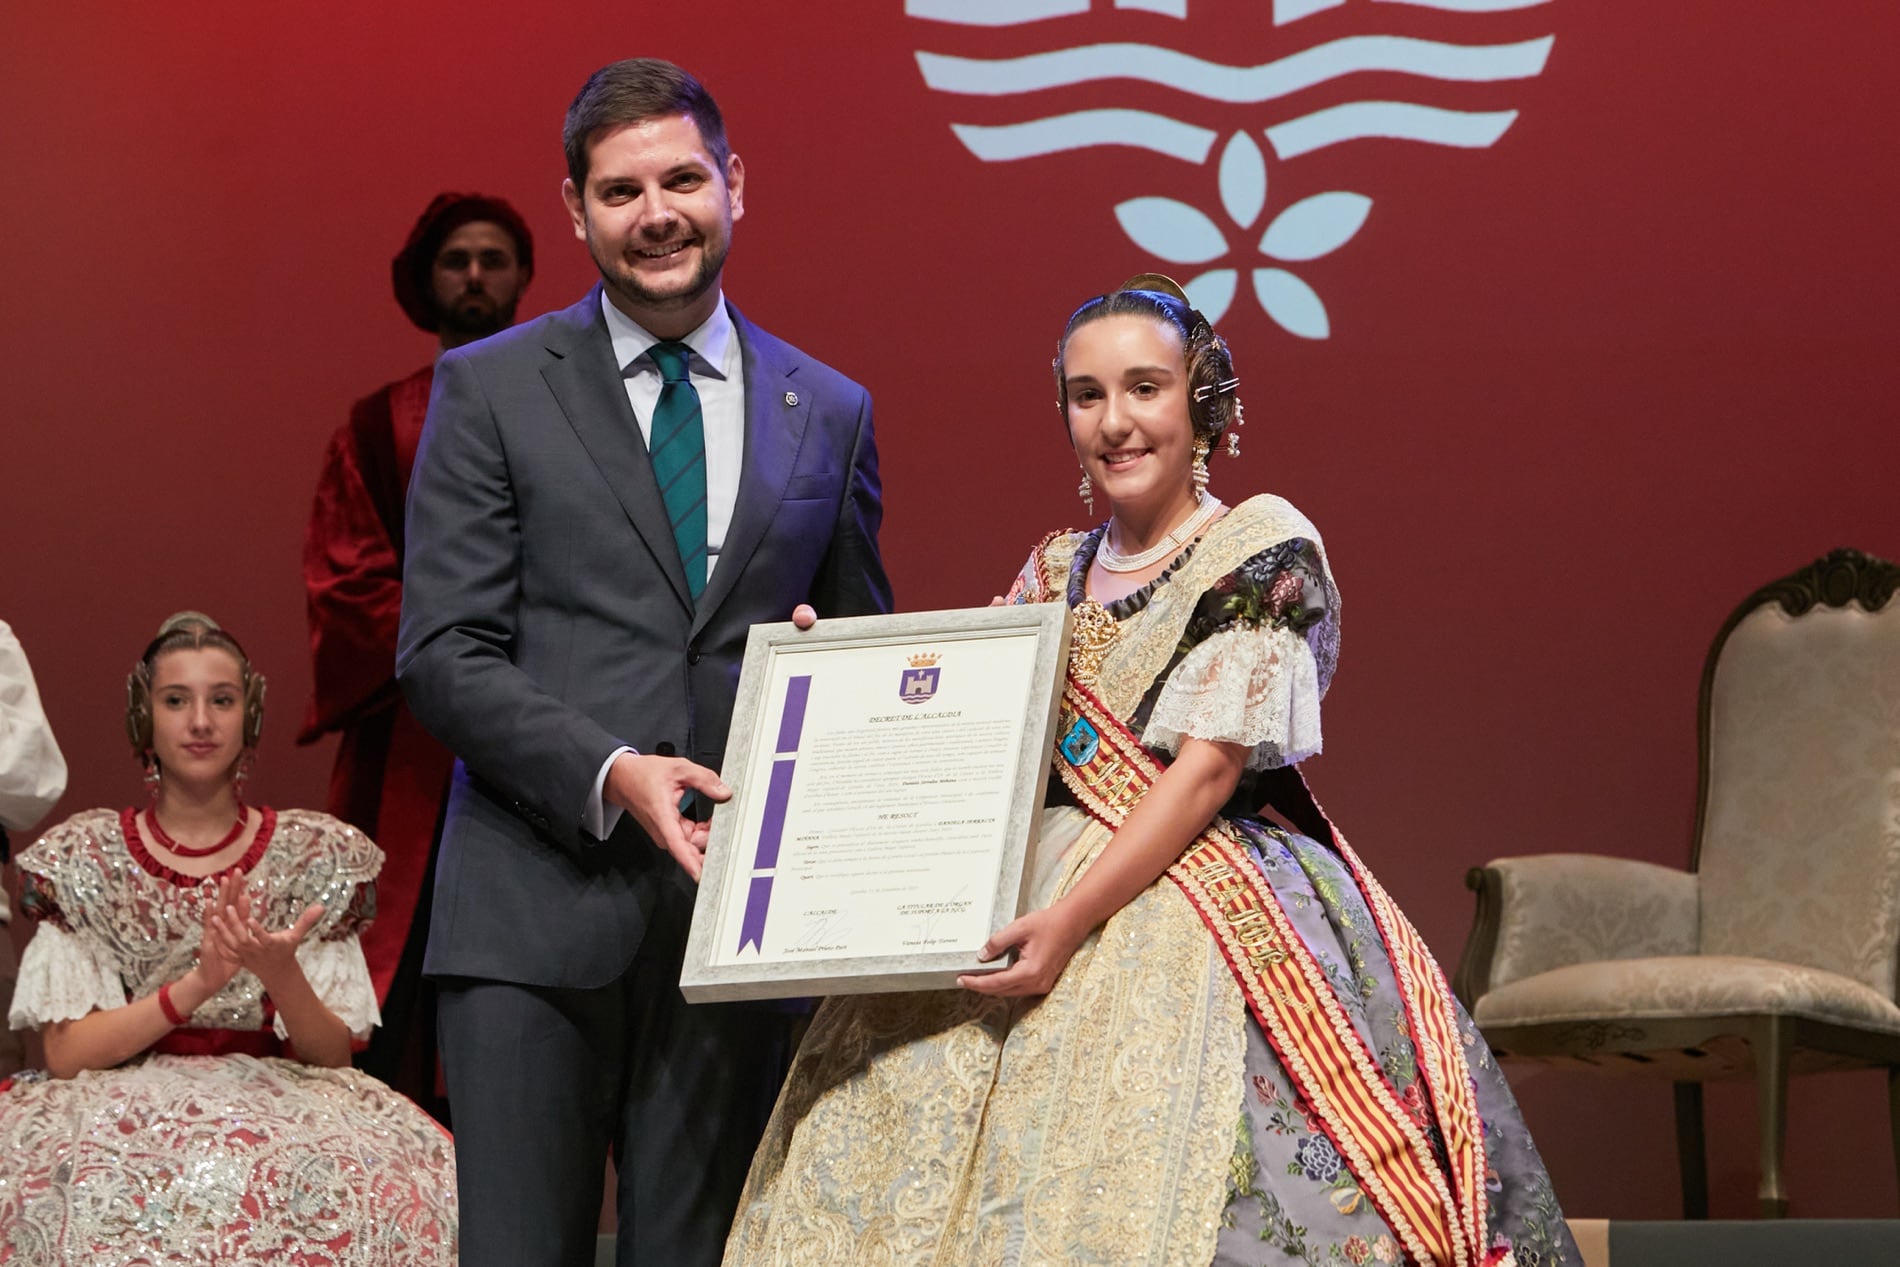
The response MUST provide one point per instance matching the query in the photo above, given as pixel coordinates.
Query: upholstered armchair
(1776, 952)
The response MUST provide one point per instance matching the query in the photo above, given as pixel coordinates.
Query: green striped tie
(678, 446)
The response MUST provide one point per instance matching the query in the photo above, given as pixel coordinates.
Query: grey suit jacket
(546, 621)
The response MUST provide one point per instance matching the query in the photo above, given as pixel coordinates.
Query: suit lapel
(774, 430)
(587, 385)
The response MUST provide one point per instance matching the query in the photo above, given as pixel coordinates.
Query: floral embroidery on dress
(1277, 588)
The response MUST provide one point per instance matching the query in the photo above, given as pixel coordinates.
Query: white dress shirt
(717, 371)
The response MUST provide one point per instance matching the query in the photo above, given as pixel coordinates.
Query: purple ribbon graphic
(778, 795)
(792, 720)
(752, 929)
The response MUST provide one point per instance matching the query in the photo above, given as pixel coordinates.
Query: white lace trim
(61, 979)
(1258, 687)
(339, 976)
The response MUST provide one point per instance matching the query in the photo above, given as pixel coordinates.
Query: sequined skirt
(222, 1159)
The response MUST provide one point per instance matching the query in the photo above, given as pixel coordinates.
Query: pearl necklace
(1115, 561)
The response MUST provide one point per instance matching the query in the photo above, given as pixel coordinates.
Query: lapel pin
(791, 398)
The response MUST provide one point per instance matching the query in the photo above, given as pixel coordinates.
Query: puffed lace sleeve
(336, 866)
(339, 975)
(1250, 674)
(63, 976)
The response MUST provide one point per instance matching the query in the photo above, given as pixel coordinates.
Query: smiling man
(606, 500)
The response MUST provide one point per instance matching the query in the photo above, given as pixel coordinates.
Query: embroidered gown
(1138, 1113)
(210, 1147)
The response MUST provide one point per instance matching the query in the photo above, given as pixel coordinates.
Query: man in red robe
(458, 276)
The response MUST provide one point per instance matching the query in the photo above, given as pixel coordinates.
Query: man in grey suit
(605, 500)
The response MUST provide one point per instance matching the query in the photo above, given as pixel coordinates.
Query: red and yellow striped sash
(1438, 1214)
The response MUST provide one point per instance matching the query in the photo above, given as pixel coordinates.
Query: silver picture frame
(888, 775)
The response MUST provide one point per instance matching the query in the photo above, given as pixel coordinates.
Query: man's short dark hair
(635, 89)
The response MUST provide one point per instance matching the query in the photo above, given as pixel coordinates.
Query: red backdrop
(1584, 387)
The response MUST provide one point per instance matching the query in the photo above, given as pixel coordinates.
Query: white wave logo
(1179, 232)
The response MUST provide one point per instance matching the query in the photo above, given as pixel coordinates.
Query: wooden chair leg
(1772, 1048)
(1691, 1152)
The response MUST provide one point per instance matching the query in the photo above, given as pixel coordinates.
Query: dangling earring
(1233, 437)
(240, 772)
(152, 776)
(1199, 473)
(1086, 491)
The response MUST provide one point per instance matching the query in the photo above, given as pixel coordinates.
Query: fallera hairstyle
(635, 89)
(188, 631)
(1212, 402)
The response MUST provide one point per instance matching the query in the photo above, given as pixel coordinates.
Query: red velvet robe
(390, 776)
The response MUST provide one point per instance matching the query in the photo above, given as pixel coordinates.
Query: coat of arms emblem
(919, 681)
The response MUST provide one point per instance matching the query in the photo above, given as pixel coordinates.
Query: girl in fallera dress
(196, 978)
(1220, 1041)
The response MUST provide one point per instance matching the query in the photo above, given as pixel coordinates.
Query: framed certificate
(887, 777)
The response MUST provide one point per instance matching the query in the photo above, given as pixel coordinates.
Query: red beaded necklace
(196, 851)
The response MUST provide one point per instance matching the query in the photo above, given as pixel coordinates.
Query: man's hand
(651, 788)
(803, 616)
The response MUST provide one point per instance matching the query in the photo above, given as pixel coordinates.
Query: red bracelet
(166, 1006)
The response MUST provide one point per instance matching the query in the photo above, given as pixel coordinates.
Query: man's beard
(474, 321)
(705, 277)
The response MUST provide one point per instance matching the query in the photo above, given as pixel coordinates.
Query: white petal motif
(1243, 180)
(1291, 303)
(1176, 232)
(1315, 226)
(1213, 292)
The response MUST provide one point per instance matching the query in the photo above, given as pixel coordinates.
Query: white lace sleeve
(340, 977)
(61, 979)
(1245, 685)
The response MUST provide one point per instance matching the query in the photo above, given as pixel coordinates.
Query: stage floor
(1716, 1243)
(1736, 1243)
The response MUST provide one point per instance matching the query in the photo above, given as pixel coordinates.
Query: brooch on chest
(1093, 632)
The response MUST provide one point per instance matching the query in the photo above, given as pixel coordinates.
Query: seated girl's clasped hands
(234, 939)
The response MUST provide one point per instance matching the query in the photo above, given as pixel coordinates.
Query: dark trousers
(544, 1083)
